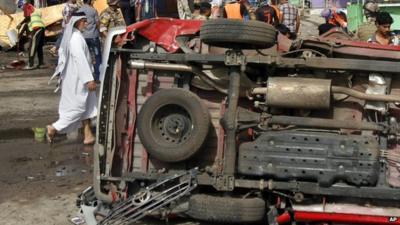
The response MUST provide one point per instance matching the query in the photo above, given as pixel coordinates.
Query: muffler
(310, 93)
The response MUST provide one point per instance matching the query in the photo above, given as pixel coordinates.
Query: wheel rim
(172, 125)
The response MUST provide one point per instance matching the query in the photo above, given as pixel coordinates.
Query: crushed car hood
(163, 31)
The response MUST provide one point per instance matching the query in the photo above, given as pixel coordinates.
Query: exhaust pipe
(141, 65)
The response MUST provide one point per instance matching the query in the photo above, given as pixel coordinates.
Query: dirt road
(39, 184)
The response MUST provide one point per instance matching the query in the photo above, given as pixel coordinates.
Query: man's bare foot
(51, 132)
(89, 138)
(89, 141)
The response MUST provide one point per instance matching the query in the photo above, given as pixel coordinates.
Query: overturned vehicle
(226, 121)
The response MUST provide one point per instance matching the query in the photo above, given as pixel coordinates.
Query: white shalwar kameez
(77, 103)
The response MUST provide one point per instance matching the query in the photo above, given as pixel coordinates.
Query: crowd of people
(376, 29)
(283, 15)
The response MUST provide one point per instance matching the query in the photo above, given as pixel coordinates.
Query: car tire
(173, 124)
(226, 209)
(238, 34)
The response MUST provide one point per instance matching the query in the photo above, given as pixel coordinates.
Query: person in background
(145, 9)
(205, 11)
(20, 4)
(325, 27)
(70, 7)
(367, 29)
(238, 9)
(335, 17)
(284, 31)
(383, 34)
(329, 23)
(92, 35)
(215, 9)
(22, 27)
(111, 17)
(196, 10)
(254, 3)
(184, 10)
(290, 17)
(128, 11)
(36, 30)
(78, 102)
(266, 13)
(53, 2)
(274, 4)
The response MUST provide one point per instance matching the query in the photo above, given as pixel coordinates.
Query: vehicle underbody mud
(299, 136)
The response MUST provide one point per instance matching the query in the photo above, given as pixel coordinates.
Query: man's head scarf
(63, 51)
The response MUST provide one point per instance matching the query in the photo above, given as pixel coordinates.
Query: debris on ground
(77, 220)
(61, 172)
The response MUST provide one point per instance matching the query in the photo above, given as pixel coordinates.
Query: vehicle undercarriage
(254, 132)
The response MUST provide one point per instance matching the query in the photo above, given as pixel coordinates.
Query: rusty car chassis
(225, 134)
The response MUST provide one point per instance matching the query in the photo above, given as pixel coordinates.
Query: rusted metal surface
(364, 96)
(348, 111)
(229, 122)
(295, 92)
(280, 62)
(335, 33)
(149, 91)
(338, 64)
(132, 114)
(177, 68)
(323, 123)
(353, 49)
(221, 142)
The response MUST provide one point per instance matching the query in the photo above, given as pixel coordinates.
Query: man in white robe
(78, 101)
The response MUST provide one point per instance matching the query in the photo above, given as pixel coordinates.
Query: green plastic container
(39, 133)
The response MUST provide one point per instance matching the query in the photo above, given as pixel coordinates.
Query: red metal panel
(163, 31)
(344, 218)
(284, 218)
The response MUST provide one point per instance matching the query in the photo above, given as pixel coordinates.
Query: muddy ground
(38, 183)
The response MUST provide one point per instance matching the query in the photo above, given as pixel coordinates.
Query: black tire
(226, 209)
(238, 34)
(173, 124)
